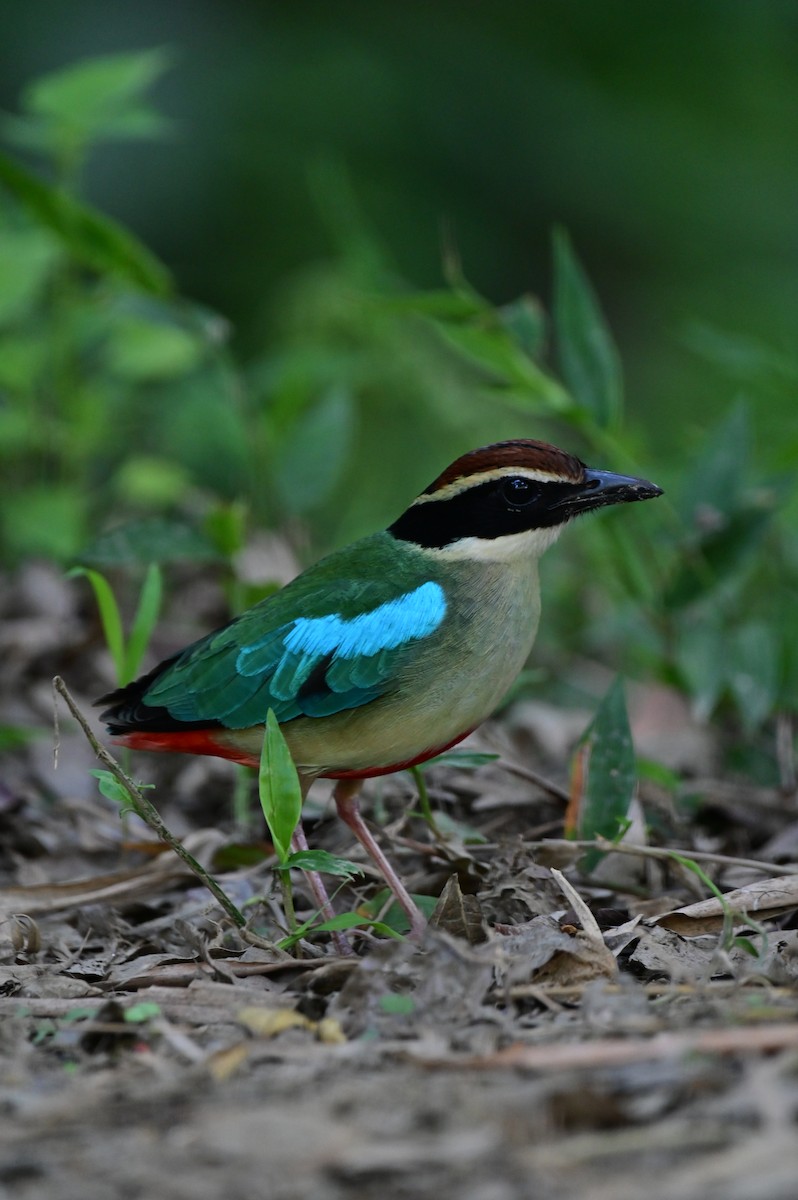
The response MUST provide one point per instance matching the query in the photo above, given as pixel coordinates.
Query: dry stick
(673, 855)
(146, 810)
(575, 991)
(546, 785)
(617, 1051)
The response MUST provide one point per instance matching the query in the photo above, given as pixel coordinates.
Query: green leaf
(702, 659)
(469, 835)
(27, 260)
(753, 672)
(353, 920)
(747, 946)
(657, 772)
(720, 555)
(144, 621)
(14, 736)
(607, 759)
(396, 918)
(48, 521)
(78, 1014)
(111, 788)
(494, 352)
(743, 356)
(23, 360)
(115, 791)
(279, 788)
(322, 860)
(788, 659)
(145, 1010)
(110, 618)
(397, 1004)
(155, 539)
(312, 460)
(453, 304)
(467, 760)
(226, 526)
(93, 239)
(716, 482)
(149, 482)
(141, 350)
(616, 545)
(525, 321)
(93, 99)
(339, 923)
(588, 358)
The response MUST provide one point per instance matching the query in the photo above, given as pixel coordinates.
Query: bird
(387, 652)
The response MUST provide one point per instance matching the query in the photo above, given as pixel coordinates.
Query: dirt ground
(541, 1042)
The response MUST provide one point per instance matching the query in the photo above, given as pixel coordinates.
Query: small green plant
(128, 652)
(115, 791)
(441, 824)
(281, 800)
(728, 940)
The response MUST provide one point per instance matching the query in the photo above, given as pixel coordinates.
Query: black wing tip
(128, 712)
(121, 705)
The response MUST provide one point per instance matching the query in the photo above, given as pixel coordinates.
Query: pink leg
(300, 842)
(315, 881)
(346, 803)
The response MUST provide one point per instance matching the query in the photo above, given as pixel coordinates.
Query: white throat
(531, 543)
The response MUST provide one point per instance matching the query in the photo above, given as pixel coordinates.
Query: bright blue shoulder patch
(311, 666)
(414, 615)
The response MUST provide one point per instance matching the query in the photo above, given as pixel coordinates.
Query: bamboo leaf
(109, 617)
(588, 357)
(144, 622)
(93, 239)
(152, 539)
(98, 97)
(279, 789)
(604, 774)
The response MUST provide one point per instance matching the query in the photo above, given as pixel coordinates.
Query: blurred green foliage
(131, 432)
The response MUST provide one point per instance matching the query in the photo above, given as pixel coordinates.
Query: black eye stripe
(485, 510)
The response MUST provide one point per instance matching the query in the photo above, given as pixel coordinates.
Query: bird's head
(510, 499)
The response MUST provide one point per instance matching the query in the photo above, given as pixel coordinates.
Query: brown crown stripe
(523, 452)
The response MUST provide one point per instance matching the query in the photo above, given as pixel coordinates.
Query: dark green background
(664, 135)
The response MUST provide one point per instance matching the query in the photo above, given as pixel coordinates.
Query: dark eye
(519, 491)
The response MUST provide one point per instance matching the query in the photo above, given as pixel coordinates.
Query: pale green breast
(448, 683)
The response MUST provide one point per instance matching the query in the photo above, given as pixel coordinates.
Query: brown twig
(146, 810)
(551, 789)
(617, 1051)
(663, 852)
(576, 991)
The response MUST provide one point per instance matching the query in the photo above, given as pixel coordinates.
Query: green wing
(329, 641)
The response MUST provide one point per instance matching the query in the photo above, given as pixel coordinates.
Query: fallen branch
(663, 852)
(146, 810)
(614, 1052)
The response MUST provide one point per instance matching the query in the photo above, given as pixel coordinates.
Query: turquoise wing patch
(311, 666)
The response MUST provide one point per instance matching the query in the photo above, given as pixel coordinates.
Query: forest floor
(527, 1048)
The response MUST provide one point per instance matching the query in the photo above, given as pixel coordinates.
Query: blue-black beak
(601, 488)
